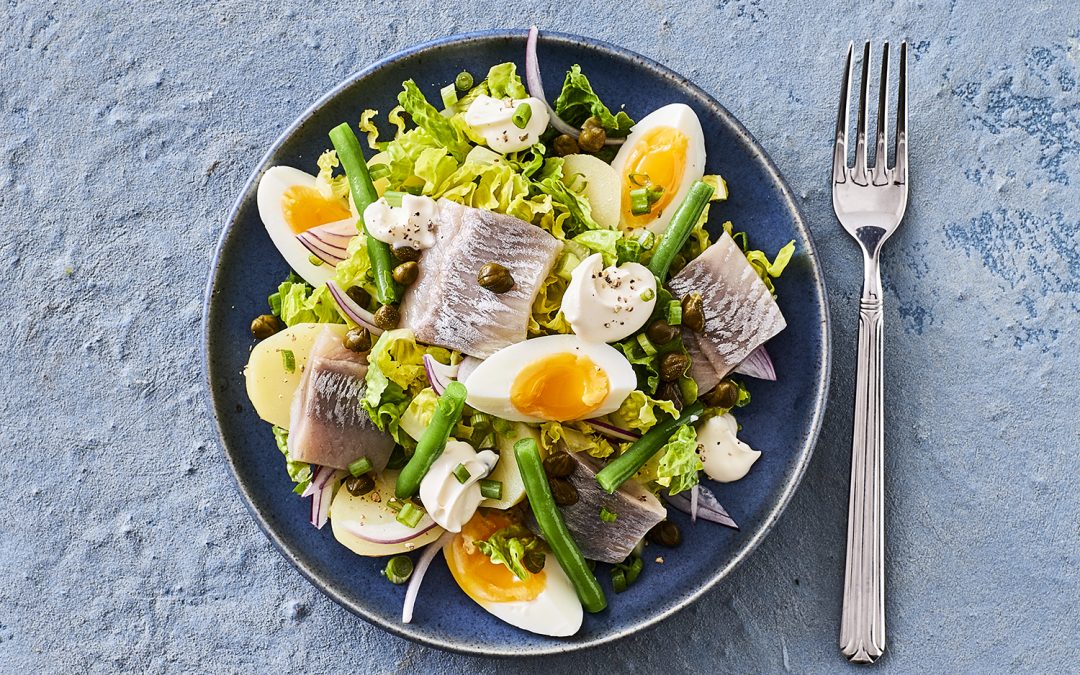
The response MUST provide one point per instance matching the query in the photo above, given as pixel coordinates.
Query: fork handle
(862, 626)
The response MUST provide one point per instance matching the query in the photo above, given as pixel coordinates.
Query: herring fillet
(450, 309)
(740, 312)
(638, 511)
(327, 424)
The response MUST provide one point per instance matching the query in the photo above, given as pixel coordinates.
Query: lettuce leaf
(639, 410)
(576, 436)
(503, 82)
(578, 102)
(771, 270)
(679, 462)
(299, 472)
(395, 376)
(329, 185)
(444, 132)
(603, 242)
(550, 182)
(355, 270)
(418, 414)
(515, 547)
(547, 317)
(297, 302)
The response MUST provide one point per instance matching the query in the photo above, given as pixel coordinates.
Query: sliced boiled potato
(368, 527)
(506, 471)
(602, 187)
(269, 386)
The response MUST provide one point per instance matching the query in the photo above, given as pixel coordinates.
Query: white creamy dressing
(493, 118)
(411, 224)
(608, 304)
(450, 503)
(725, 457)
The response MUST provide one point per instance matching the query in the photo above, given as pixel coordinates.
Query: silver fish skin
(638, 511)
(447, 307)
(740, 312)
(327, 425)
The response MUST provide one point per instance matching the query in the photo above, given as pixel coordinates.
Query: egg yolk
(481, 579)
(659, 154)
(304, 208)
(560, 387)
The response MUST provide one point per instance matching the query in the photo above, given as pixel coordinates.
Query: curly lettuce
(299, 472)
(504, 82)
(578, 102)
(517, 548)
(639, 412)
(547, 317)
(679, 462)
(573, 437)
(297, 302)
(428, 118)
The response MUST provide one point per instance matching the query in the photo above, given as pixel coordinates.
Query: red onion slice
(467, 365)
(319, 479)
(611, 431)
(709, 507)
(424, 526)
(694, 502)
(353, 311)
(758, 364)
(439, 375)
(330, 256)
(321, 490)
(418, 574)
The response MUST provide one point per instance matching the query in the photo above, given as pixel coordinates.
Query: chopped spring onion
(647, 295)
(647, 239)
(409, 515)
(314, 260)
(639, 201)
(360, 467)
(491, 489)
(607, 515)
(624, 574)
(288, 360)
(394, 504)
(461, 472)
(449, 96)
(522, 115)
(377, 171)
(646, 344)
(638, 179)
(393, 197)
(398, 569)
(464, 80)
(674, 313)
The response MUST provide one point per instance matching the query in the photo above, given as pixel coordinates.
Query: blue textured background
(127, 133)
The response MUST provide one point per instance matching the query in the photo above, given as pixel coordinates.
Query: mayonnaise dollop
(493, 118)
(725, 457)
(608, 304)
(411, 224)
(451, 503)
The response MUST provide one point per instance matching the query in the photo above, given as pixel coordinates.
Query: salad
(509, 338)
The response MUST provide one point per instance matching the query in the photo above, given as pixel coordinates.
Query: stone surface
(128, 132)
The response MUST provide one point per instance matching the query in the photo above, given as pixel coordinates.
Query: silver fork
(869, 202)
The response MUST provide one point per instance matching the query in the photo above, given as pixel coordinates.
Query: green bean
(678, 230)
(432, 442)
(554, 529)
(627, 464)
(363, 193)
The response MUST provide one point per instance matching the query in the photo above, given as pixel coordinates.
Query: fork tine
(900, 171)
(839, 162)
(881, 154)
(859, 174)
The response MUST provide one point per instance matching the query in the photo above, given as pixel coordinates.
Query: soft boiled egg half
(556, 378)
(290, 204)
(545, 603)
(666, 149)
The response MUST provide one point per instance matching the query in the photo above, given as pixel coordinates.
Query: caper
(264, 326)
(665, 533)
(724, 395)
(405, 254)
(693, 312)
(673, 366)
(495, 278)
(359, 296)
(565, 144)
(592, 139)
(594, 122)
(563, 491)
(357, 339)
(360, 485)
(660, 332)
(387, 317)
(670, 391)
(533, 561)
(559, 464)
(405, 273)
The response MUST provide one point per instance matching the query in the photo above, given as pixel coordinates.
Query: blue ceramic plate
(782, 421)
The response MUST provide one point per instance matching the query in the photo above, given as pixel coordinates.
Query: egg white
(682, 118)
(490, 383)
(272, 187)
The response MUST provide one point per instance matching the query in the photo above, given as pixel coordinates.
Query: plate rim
(781, 500)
